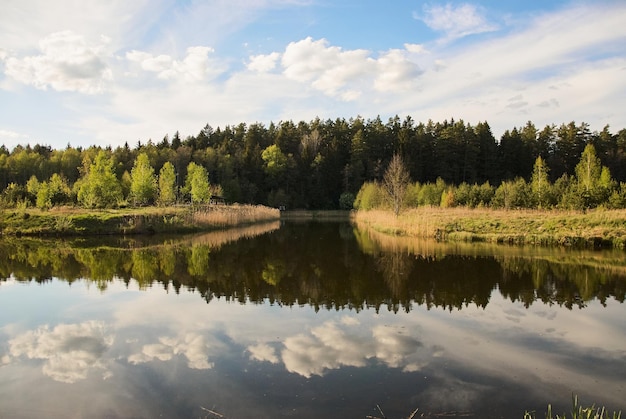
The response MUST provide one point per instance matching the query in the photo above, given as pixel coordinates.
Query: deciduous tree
(395, 182)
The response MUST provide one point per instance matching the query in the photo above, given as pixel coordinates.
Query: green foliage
(512, 195)
(346, 201)
(370, 196)
(167, 184)
(143, 187)
(197, 184)
(100, 188)
(275, 160)
(315, 162)
(541, 189)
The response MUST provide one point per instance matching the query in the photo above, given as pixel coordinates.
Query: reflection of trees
(325, 265)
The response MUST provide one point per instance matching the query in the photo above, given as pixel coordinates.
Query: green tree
(275, 160)
(143, 187)
(540, 184)
(370, 196)
(197, 183)
(167, 184)
(44, 196)
(594, 181)
(99, 188)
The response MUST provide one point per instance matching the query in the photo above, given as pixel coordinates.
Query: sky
(104, 73)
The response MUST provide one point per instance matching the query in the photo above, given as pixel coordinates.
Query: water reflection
(309, 320)
(307, 264)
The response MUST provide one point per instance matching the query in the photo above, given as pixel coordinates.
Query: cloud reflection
(192, 346)
(345, 343)
(69, 351)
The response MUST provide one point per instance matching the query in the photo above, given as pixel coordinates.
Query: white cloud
(334, 345)
(9, 136)
(195, 67)
(70, 351)
(263, 63)
(67, 63)
(347, 74)
(263, 352)
(416, 48)
(396, 72)
(456, 21)
(24, 22)
(191, 345)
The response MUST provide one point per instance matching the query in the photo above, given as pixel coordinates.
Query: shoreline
(593, 229)
(70, 221)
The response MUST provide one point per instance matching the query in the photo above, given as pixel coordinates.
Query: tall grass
(579, 412)
(78, 221)
(568, 228)
(231, 215)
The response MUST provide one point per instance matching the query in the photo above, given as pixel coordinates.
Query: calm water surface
(307, 320)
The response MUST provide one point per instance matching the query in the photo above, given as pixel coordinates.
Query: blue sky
(94, 72)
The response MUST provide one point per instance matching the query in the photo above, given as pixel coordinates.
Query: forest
(325, 164)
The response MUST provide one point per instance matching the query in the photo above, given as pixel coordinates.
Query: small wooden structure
(217, 200)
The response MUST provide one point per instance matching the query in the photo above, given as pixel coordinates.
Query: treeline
(591, 186)
(317, 164)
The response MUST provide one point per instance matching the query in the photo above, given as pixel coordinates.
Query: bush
(370, 196)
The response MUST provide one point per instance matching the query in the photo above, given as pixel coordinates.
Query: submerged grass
(70, 221)
(597, 228)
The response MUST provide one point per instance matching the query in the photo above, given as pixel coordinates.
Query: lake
(306, 320)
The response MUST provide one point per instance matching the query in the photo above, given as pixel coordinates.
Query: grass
(597, 228)
(579, 412)
(69, 221)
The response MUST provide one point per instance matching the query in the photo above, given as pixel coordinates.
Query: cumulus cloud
(67, 63)
(347, 74)
(69, 351)
(263, 63)
(263, 352)
(195, 66)
(192, 346)
(327, 68)
(456, 21)
(395, 72)
(333, 345)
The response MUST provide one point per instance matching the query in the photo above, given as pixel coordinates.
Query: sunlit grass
(586, 229)
(72, 220)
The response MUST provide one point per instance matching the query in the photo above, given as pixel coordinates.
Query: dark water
(307, 320)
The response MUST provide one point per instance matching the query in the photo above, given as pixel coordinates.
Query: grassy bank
(69, 221)
(598, 228)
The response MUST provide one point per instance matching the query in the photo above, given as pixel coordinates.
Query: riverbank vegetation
(72, 221)
(585, 209)
(592, 229)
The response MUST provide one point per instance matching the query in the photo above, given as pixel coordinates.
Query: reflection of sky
(123, 339)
